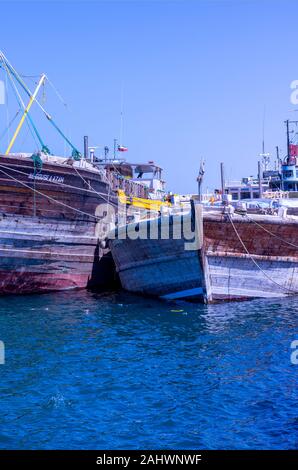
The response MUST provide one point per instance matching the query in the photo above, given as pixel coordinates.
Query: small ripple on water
(57, 401)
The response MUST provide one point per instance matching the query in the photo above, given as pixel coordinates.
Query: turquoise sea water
(115, 371)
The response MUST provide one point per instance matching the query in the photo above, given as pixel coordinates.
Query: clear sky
(195, 77)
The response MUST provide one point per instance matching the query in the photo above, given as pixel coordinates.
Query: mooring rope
(288, 290)
(89, 184)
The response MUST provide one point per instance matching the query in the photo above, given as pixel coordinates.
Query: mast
(263, 132)
(75, 152)
(31, 101)
(121, 116)
(44, 148)
(222, 178)
(115, 148)
(288, 138)
(277, 158)
(200, 179)
(260, 179)
(265, 156)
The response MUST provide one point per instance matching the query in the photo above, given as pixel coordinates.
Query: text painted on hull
(44, 177)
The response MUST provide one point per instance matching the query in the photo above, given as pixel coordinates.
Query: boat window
(245, 195)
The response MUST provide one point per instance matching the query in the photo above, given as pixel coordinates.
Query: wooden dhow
(51, 225)
(226, 256)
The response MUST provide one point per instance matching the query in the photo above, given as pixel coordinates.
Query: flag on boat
(293, 150)
(121, 148)
(201, 172)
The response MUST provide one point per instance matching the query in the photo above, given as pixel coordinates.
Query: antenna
(263, 130)
(223, 182)
(115, 148)
(277, 164)
(265, 156)
(121, 115)
(288, 138)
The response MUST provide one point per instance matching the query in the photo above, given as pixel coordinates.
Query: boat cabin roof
(145, 167)
(129, 169)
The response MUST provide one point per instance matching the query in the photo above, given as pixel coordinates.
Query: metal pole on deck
(106, 150)
(288, 138)
(222, 178)
(260, 179)
(277, 158)
(115, 148)
(85, 147)
(200, 179)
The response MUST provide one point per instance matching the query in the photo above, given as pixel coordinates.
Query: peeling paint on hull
(27, 282)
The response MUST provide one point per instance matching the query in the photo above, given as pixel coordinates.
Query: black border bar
(147, 458)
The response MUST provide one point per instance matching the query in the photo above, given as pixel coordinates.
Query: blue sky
(195, 75)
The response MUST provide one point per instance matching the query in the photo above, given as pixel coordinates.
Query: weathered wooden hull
(221, 269)
(269, 269)
(158, 267)
(237, 278)
(45, 244)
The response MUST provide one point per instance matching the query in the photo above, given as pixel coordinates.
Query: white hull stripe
(183, 293)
